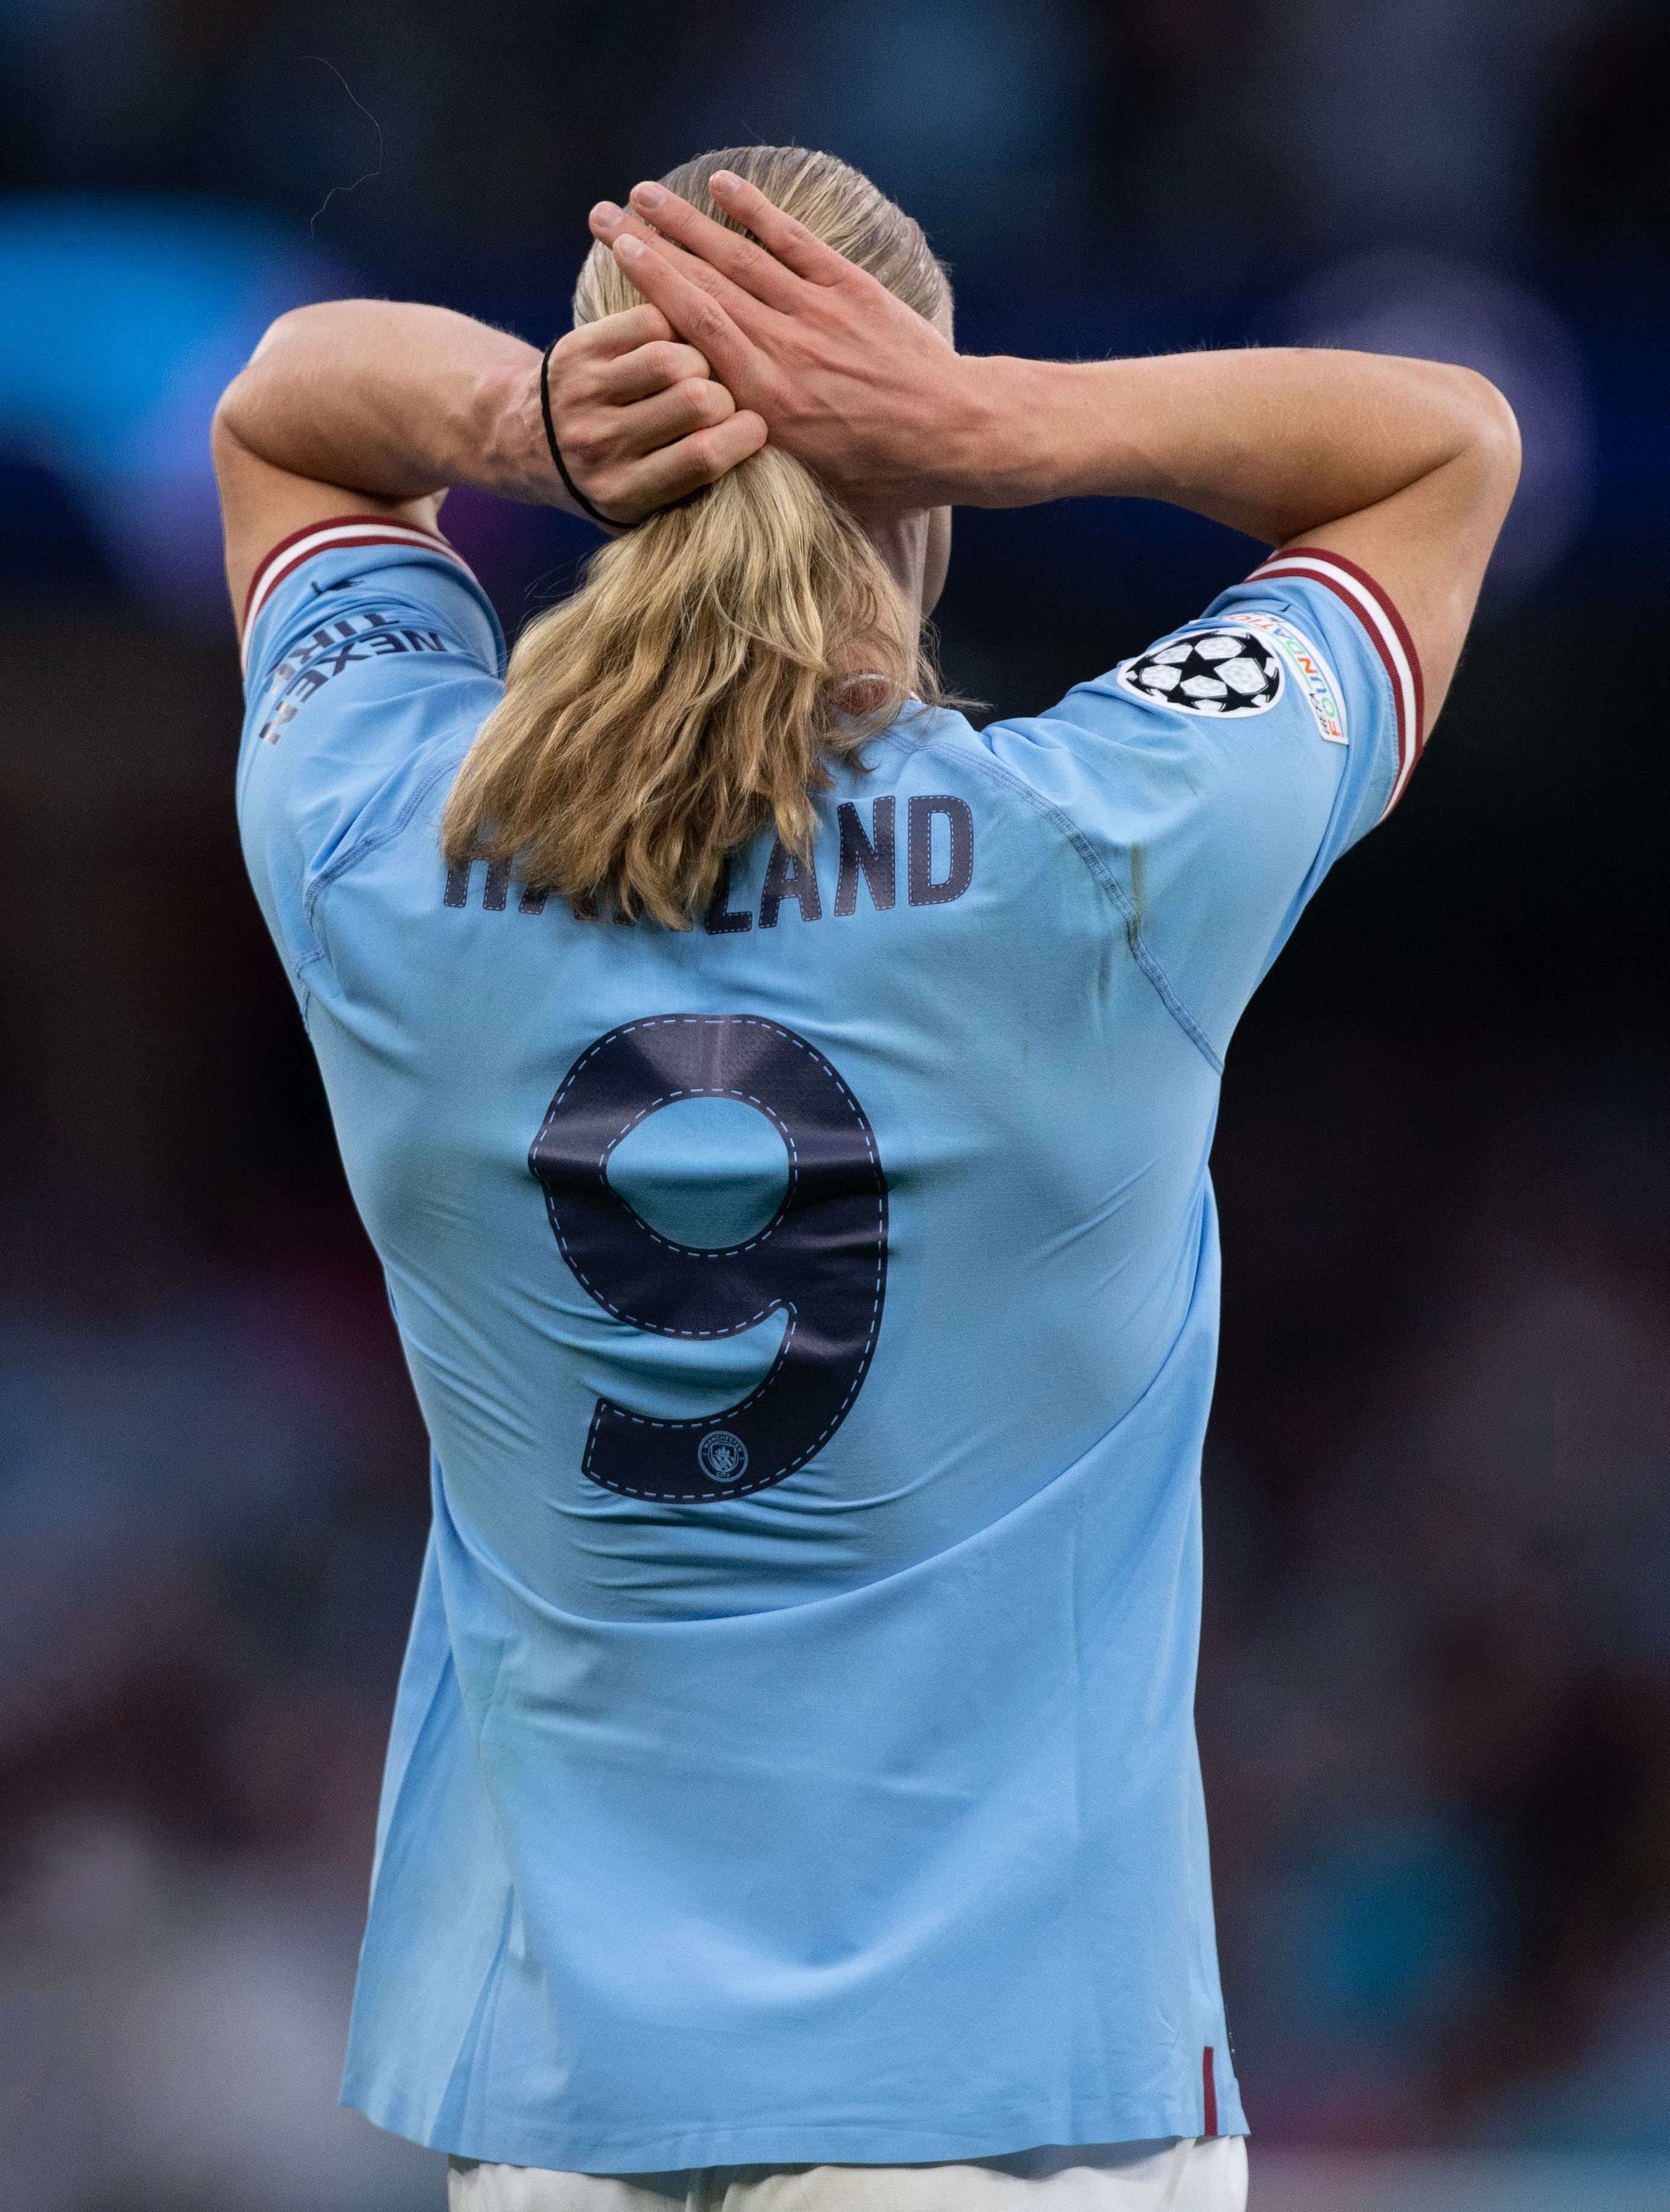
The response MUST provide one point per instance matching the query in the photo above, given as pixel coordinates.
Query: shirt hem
(518, 2142)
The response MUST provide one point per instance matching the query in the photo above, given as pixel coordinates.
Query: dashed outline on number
(671, 1243)
(742, 1405)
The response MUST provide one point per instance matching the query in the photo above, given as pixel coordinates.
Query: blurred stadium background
(1434, 1702)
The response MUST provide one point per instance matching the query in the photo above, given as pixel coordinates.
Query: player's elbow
(1491, 433)
(283, 346)
(297, 327)
(225, 443)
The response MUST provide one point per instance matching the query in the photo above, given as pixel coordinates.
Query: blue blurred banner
(124, 321)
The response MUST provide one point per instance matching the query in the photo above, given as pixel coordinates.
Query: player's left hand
(638, 416)
(850, 381)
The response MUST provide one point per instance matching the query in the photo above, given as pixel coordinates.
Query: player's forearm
(395, 401)
(1271, 442)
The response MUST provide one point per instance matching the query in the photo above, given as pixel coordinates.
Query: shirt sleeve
(1217, 777)
(371, 656)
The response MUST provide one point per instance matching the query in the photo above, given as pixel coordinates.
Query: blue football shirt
(814, 1315)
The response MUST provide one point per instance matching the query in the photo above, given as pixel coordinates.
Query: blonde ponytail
(702, 681)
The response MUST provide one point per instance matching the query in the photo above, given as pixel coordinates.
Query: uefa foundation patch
(1315, 677)
(1220, 671)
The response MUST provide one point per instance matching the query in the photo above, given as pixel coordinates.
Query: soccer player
(782, 1113)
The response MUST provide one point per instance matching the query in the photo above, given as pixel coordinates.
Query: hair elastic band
(596, 514)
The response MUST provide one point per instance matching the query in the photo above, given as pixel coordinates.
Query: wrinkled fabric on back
(814, 1314)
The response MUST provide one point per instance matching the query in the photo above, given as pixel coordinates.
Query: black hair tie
(596, 514)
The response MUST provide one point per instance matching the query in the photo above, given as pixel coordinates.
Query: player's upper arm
(260, 505)
(1428, 546)
(1217, 777)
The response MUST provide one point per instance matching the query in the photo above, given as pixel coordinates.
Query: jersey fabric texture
(814, 1315)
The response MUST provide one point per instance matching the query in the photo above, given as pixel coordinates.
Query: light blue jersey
(814, 1314)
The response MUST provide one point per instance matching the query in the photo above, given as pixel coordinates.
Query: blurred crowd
(1435, 1701)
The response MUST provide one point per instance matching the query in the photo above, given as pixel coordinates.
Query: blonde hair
(691, 691)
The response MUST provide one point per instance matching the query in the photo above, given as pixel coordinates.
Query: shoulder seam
(1107, 883)
(375, 840)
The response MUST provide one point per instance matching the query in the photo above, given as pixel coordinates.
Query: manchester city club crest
(1213, 671)
(724, 1457)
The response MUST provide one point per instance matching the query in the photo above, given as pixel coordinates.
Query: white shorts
(1176, 2174)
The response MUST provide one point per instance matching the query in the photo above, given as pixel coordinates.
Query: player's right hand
(639, 417)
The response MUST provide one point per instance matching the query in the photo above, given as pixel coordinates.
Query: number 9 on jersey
(822, 1259)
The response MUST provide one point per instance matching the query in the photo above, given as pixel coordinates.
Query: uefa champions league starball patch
(1212, 671)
